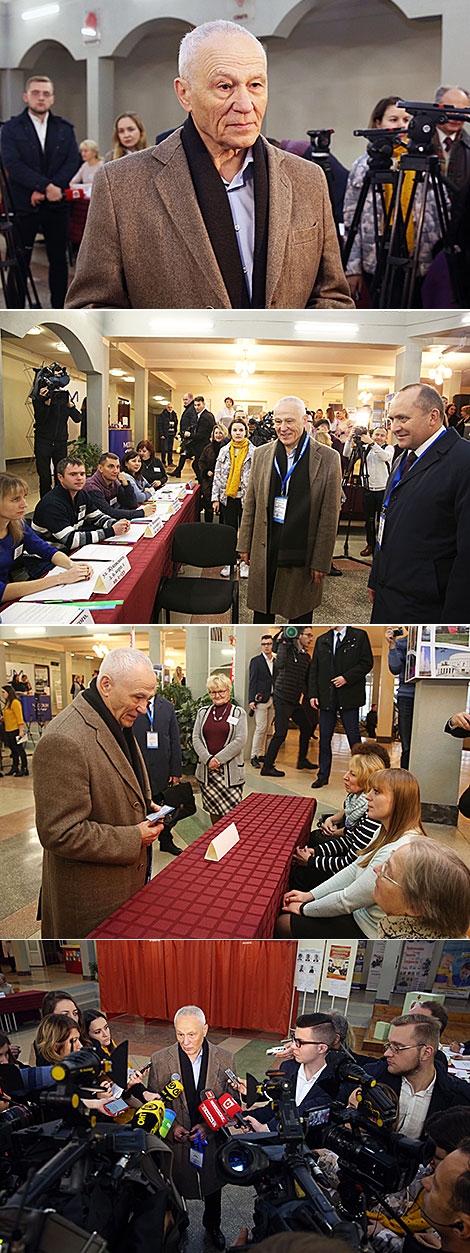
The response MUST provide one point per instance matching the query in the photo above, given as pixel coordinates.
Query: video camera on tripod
(424, 122)
(292, 1192)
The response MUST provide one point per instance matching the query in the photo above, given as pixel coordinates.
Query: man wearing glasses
(305, 1059)
(290, 519)
(409, 1068)
(40, 155)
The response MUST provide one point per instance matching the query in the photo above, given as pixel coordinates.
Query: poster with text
(375, 967)
(415, 966)
(308, 967)
(453, 972)
(339, 968)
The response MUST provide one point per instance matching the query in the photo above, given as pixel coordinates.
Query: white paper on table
(134, 533)
(67, 591)
(101, 552)
(222, 843)
(49, 615)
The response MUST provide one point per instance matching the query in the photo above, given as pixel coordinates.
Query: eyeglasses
(300, 1043)
(399, 1048)
(383, 875)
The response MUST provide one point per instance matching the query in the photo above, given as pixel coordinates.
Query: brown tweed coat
(88, 805)
(145, 243)
(192, 1183)
(294, 590)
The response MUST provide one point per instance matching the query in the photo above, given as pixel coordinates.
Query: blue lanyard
(292, 468)
(402, 466)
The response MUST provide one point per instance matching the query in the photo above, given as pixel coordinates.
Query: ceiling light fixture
(243, 366)
(119, 374)
(43, 10)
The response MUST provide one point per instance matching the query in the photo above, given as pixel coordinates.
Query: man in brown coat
(214, 216)
(290, 519)
(92, 794)
(200, 1066)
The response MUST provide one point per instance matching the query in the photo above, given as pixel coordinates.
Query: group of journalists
(370, 1151)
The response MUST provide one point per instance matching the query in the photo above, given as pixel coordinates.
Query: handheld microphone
(167, 1123)
(172, 1089)
(212, 1114)
(232, 1078)
(75, 193)
(150, 1117)
(233, 1110)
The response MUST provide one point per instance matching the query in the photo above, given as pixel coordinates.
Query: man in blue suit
(421, 562)
(40, 156)
(316, 1084)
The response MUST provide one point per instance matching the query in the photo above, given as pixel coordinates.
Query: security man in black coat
(188, 422)
(167, 426)
(158, 738)
(341, 659)
(422, 559)
(202, 432)
(40, 156)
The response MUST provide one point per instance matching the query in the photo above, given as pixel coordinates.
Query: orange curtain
(240, 984)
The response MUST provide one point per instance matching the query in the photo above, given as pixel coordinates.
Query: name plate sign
(112, 574)
(154, 525)
(222, 843)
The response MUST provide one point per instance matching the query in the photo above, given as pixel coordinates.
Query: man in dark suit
(215, 216)
(40, 155)
(260, 697)
(315, 1081)
(158, 738)
(409, 1069)
(205, 423)
(452, 142)
(188, 421)
(341, 659)
(421, 562)
(167, 426)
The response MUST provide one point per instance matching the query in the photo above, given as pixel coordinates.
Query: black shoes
(167, 846)
(255, 761)
(334, 571)
(304, 764)
(320, 782)
(216, 1235)
(22, 773)
(272, 772)
(12, 771)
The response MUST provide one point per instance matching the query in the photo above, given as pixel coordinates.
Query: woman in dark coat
(207, 460)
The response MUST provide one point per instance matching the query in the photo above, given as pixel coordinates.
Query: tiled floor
(20, 851)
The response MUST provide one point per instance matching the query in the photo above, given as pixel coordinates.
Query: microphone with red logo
(233, 1110)
(212, 1112)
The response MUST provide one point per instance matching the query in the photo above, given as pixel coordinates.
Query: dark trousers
(17, 751)
(184, 457)
(342, 927)
(283, 710)
(372, 504)
(166, 449)
(53, 221)
(208, 508)
(213, 1209)
(271, 617)
(405, 724)
(350, 721)
(232, 512)
(45, 451)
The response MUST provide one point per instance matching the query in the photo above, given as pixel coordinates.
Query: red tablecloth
(150, 560)
(21, 1000)
(239, 897)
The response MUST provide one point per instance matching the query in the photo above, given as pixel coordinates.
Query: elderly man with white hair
(214, 216)
(200, 1066)
(92, 796)
(290, 519)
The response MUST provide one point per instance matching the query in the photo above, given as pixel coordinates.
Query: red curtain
(240, 984)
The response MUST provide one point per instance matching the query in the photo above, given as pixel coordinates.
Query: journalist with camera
(53, 406)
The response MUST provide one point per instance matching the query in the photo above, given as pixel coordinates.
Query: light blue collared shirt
(241, 198)
(196, 1065)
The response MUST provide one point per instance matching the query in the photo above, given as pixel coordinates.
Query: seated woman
(219, 737)
(16, 539)
(153, 470)
(348, 897)
(423, 890)
(131, 466)
(231, 474)
(346, 832)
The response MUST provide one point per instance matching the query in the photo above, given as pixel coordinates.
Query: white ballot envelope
(222, 843)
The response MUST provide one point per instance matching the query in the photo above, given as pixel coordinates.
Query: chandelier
(244, 367)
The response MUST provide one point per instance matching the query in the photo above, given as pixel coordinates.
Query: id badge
(232, 720)
(381, 529)
(196, 1153)
(280, 506)
(152, 739)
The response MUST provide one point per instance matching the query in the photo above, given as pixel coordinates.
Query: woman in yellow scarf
(231, 474)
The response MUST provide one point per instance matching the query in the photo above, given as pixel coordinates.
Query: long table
(150, 561)
(19, 1005)
(236, 898)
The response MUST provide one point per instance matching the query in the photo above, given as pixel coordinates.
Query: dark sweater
(70, 522)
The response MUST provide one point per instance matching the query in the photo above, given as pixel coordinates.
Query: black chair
(200, 544)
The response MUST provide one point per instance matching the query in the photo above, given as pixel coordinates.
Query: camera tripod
(355, 479)
(378, 175)
(320, 155)
(15, 273)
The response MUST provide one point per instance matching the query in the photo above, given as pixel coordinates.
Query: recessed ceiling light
(118, 373)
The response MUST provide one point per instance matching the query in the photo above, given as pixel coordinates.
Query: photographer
(52, 407)
(291, 669)
(378, 457)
